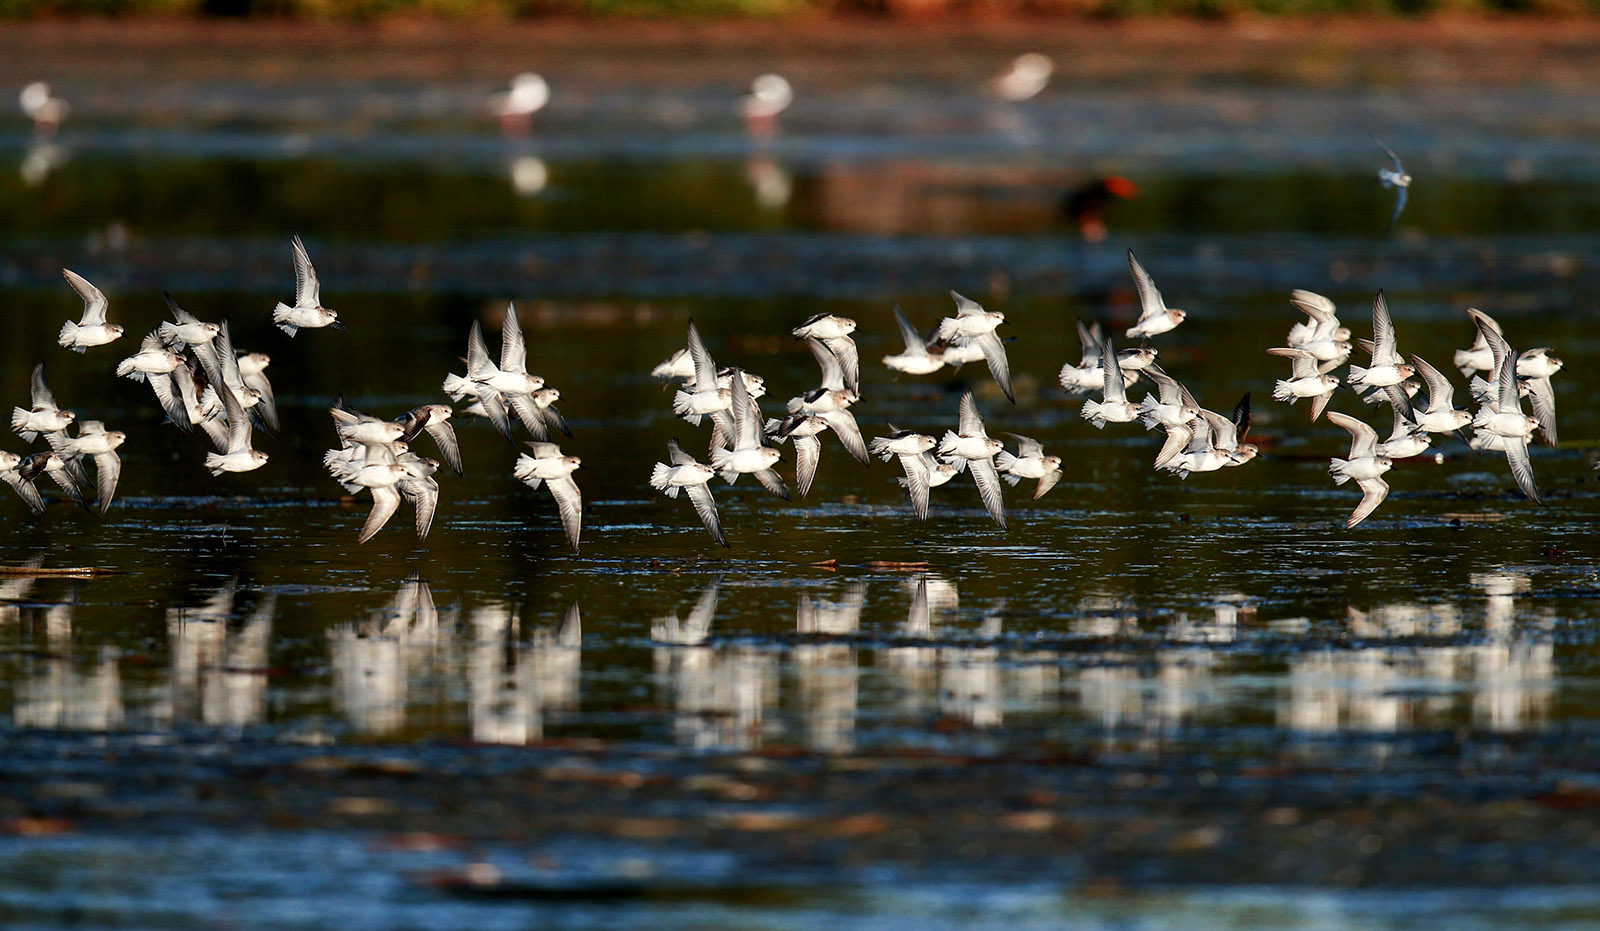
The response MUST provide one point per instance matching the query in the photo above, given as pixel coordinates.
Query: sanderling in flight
(1388, 368)
(1155, 317)
(747, 453)
(1364, 466)
(435, 419)
(1029, 462)
(681, 471)
(834, 333)
(307, 311)
(1321, 334)
(917, 359)
(1501, 415)
(1113, 406)
(974, 327)
(702, 395)
(96, 442)
(43, 416)
(910, 448)
(238, 456)
(1305, 381)
(92, 329)
(549, 466)
(975, 450)
(1172, 409)
(1439, 415)
(252, 372)
(188, 330)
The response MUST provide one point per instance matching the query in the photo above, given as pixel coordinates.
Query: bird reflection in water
(516, 686)
(717, 695)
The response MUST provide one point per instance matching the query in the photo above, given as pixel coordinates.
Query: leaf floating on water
(829, 564)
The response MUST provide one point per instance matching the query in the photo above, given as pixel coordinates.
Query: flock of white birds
(200, 380)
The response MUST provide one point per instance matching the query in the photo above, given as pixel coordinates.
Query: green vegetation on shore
(357, 10)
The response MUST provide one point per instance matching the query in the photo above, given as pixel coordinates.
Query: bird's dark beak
(337, 326)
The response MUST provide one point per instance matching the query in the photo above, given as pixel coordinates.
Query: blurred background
(1151, 702)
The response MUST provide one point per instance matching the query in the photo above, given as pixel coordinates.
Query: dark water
(1127, 611)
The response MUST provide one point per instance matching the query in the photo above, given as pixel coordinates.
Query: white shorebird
(1215, 442)
(1029, 462)
(379, 478)
(1027, 76)
(1407, 439)
(92, 329)
(1320, 334)
(703, 395)
(682, 472)
(747, 455)
(45, 109)
(238, 456)
(917, 359)
(153, 361)
(1534, 369)
(515, 108)
(26, 469)
(1172, 409)
(975, 450)
(834, 333)
(910, 448)
(98, 443)
(435, 420)
(974, 327)
(1364, 466)
(188, 330)
(1155, 317)
(1439, 415)
(1113, 406)
(1395, 178)
(1305, 381)
(252, 368)
(1501, 416)
(1387, 369)
(803, 429)
(43, 416)
(307, 311)
(1087, 375)
(548, 466)
(770, 95)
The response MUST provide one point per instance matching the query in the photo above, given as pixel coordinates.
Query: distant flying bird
(1396, 178)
